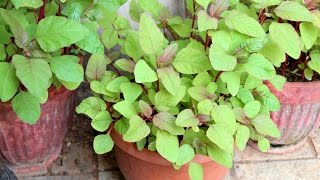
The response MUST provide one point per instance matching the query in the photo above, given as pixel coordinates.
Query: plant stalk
(41, 11)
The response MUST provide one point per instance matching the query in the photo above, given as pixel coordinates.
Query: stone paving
(78, 161)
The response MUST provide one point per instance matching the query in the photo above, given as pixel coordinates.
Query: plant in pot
(184, 92)
(293, 48)
(40, 48)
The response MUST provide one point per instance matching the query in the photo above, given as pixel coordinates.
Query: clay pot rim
(149, 156)
(51, 91)
(298, 84)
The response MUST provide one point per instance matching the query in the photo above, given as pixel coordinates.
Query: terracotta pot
(25, 148)
(299, 113)
(147, 165)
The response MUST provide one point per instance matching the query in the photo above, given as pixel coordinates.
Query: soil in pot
(147, 165)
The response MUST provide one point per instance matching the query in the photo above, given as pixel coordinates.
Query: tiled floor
(78, 161)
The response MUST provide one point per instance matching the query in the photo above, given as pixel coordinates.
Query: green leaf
(274, 53)
(125, 65)
(167, 122)
(264, 125)
(191, 61)
(141, 144)
(132, 45)
(308, 73)
(206, 22)
(195, 171)
(55, 32)
(242, 136)
(131, 91)
(102, 144)
(135, 10)
(102, 121)
(185, 154)
(138, 129)
(33, 73)
(164, 98)
(200, 93)
(205, 107)
(252, 108)
(221, 137)
(150, 36)
(314, 64)
(115, 84)
(5, 36)
(278, 81)
(27, 3)
(186, 118)
(263, 144)
(125, 108)
(245, 95)
(232, 80)
(286, 37)
(260, 67)
(74, 11)
(244, 24)
(143, 73)
(27, 107)
(67, 68)
(109, 37)
(9, 82)
(252, 82)
(145, 109)
(168, 55)
(309, 34)
(170, 79)
(203, 3)
(293, 11)
(167, 145)
(91, 43)
(202, 79)
(17, 28)
(220, 156)
(91, 106)
(220, 61)
(96, 67)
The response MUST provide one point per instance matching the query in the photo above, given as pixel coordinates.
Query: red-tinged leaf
(145, 109)
(168, 55)
(311, 4)
(216, 9)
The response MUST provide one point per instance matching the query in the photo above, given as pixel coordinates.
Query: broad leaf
(170, 79)
(286, 37)
(206, 22)
(195, 171)
(150, 37)
(27, 107)
(125, 108)
(167, 122)
(244, 24)
(260, 67)
(102, 121)
(186, 153)
(33, 73)
(138, 129)
(96, 67)
(67, 68)
(293, 11)
(115, 84)
(125, 65)
(218, 135)
(145, 108)
(191, 61)
(131, 91)
(55, 32)
(309, 34)
(167, 145)
(9, 82)
(273, 52)
(168, 55)
(143, 73)
(232, 80)
(252, 108)
(27, 3)
(132, 45)
(220, 60)
(242, 136)
(164, 98)
(264, 125)
(102, 144)
(220, 156)
(263, 144)
(186, 118)
(91, 106)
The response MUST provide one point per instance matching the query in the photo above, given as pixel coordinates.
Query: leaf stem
(117, 71)
(284, 67)
(207, 42)
(218, 75)
(41, 11)
(87, 8)
(194, 18)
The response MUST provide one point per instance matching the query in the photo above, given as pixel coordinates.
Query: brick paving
(78, 161)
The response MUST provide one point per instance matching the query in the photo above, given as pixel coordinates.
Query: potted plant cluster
(183, 93)
(294, 49)
(41, 43)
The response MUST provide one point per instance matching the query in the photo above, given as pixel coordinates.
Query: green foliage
(191, 86)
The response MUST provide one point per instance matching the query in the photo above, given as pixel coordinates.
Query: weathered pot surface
(146, 165)
(25, 148)
(300, 111)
